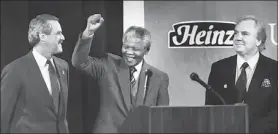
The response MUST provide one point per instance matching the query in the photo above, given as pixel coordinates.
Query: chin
(59, 50)
(240, 52)
(238, 49)
(130, 63)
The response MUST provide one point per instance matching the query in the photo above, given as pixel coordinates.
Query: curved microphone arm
(196, 78)
(218, 95)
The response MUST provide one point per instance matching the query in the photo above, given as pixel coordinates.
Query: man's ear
(42, 36)
(258, 43)
(147, 50)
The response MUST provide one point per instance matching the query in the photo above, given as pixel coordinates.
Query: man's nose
(129, 51)
(62, 37)
(237, 36)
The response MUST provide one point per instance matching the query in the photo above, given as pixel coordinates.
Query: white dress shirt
(41, 61)
(138, 70)
(249, 70)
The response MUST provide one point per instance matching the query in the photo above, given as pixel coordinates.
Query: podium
(190, 119)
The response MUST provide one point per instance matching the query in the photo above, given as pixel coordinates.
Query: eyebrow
(58, 32)
(246, 32)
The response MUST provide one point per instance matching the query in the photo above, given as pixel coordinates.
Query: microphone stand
(148, 73)
(217, 94)
(196, 78)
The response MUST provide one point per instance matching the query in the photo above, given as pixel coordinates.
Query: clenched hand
(93, 23)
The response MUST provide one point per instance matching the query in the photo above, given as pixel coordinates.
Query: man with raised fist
(125, 82)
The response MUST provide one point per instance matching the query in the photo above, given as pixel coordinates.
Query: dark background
(83, 95)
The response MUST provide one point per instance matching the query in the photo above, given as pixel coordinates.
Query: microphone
(196, 78)
(148, 73)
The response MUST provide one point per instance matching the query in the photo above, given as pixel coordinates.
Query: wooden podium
(191, 119)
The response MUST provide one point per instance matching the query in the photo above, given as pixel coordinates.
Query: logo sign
(201, 34)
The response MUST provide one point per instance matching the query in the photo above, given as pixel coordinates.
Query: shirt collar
(40, 59)
(138, 66)
(251, 62)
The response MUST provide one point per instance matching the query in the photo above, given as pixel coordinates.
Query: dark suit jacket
(112, 74)
(26, 105)
(262, 101)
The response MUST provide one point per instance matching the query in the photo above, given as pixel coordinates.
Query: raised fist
(93, 23)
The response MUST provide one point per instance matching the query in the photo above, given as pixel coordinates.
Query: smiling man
(248, 77)
(34, 87)
(121, 79)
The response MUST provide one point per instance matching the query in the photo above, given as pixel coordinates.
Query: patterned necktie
(241, 83)
(133, 80)
(54, 84)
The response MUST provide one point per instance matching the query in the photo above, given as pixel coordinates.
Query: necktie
(133, 80)
(241, 83)
(54, 84)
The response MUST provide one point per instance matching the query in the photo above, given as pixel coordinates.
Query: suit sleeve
(163, 96)
(68, 74)
(269, 124)
(10, 89)
(68, 84)
(210, 98)
(82, 61)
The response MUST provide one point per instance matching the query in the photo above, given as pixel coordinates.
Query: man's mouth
(239, 43)
(130, 58)
(60, 42)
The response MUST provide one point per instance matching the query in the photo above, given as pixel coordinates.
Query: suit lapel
(124, 81)
(231, 71)
(38, 82)
(257, 77)
(229, 91)
(62, 75)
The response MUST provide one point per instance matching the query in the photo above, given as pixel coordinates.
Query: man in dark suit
(34, 88)
(248, 77)
(121, 79)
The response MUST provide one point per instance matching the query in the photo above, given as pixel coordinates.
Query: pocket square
(266, 83)
(63, 72)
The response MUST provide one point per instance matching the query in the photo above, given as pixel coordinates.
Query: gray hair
(139, 34)
(261, 30)
(39, 25)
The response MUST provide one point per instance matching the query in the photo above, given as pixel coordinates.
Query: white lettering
(199, 36)
(228, 41)
(204, 36)
(215, 36)
(179, 33)
(208, 36)
(192, 38)
(272, 33)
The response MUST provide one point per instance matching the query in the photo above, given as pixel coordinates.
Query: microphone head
(148, 72)
(194, 76)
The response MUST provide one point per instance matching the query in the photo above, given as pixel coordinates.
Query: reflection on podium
(187, 119)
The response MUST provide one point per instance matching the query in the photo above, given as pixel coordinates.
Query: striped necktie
(132, 80)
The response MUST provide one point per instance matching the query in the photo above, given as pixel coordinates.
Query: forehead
(55, 25)
(246, 25)
(133, 43)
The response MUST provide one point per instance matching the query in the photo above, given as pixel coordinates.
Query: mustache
(239, 41)
(60, 41)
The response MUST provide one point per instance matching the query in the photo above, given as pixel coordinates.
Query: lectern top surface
(237, 105)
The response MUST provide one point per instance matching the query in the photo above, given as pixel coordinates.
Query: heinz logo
(201, 34)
